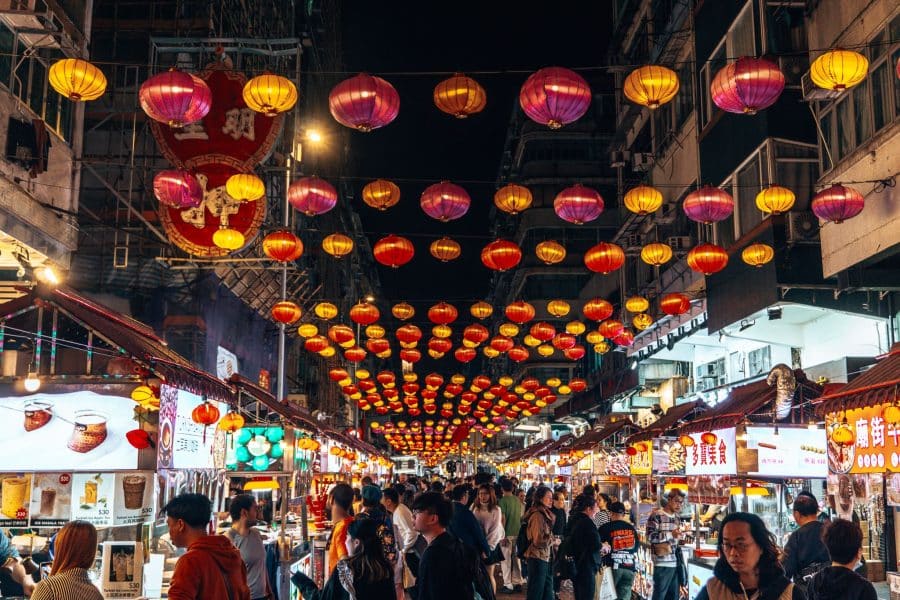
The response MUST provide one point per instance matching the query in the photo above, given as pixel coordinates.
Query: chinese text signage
(641, 462)
(717, 458)
(877, 443)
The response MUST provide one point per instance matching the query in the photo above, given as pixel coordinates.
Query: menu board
(641, 462)
(51, 499)
(15, 499)
(184, 444)
(718, 458)
(74, 431)
(93, 498)
(122, 568)
(668, 457)
(133, 498)
(793, 452)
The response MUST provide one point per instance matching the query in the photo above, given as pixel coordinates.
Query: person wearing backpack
(539, 532)
(581, 541)
(805, 553)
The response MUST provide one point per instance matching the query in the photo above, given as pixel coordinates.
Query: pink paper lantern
(555, 96)
(175, 98)
(837, 203)
(312, 196)
(445, 201)
(578, 204)
(177, 188)
(747, 85)
(364, 102)
(708, 205)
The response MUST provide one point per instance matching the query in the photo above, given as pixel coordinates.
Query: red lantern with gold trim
(604, 258)
(708, 438)
(707, 258)
(610, 328)
(675, 304)
(597, 309)
(286, 312)
(442, 313)
(501, 255)
(282, 246)
(476, 333)
(364, 313)
(518, 353)
(205, 414)
(519, 312)
(543, 331)
(393, 251)
(409, 333)
(464, 355)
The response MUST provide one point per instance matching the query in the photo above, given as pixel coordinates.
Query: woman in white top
(74, 552)
(487, 511)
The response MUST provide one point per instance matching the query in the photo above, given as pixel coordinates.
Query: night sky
(410, 44)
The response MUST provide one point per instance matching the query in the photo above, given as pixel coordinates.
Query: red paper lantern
(464, 355)
(604, 258)
(675, 304)
(364, 313)
(315, 343)
(286, 312)
(837, 203)
(577, 385)
(441, 345)
(518, 353)
(543, 331)
(340, 334)
(312, 196)
(434, 380)
(177, 188)
(355, 354)
(377, 345)
(338, 374)
(393, 251)
(597, 309)
(410, 355)
(501, 343)
(708, 438)
(625, 338)
(139, 438)
(476, 333)
(707, 258)
(555, 96)
(747, 85)
(364, 102)
(442, 313)
(445, 201)
(519, 312)
(409, 333)
(282, 246)
(708, 205)
(175, 98)
(578, 204)
(611, 328)
(205, 414)
(501, 255)
(574, 353)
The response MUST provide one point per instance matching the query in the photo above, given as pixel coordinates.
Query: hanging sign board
(876, 448)
(641, 462)
(717, 458)
(793, 452)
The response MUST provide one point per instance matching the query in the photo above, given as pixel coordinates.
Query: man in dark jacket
(442, 574)
(584, 543)
(620, 541)
(464, 525)
(839, 581)
(805, 552)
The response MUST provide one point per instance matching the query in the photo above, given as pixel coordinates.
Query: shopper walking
(602, 516)
(211, 567)
(248, 541)
(74, 552)
(663, 533)
(464, 525)
(748, 566)
(511, 510)
(404, 535)
(559, 527)
(620, 543)
(341, 501)
(488, 515)
(443, 574)
(582, 539)
(539, 521)
(805, 553)
(364, 574)
(372, 509)
(840, 581)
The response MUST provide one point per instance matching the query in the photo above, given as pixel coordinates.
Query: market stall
(602, 460)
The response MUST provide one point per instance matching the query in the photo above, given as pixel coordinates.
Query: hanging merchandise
(651, 86)
(364, 102)
(460, 96)
(555, 96)
(747, 85)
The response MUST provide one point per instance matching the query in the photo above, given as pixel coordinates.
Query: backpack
(522, 541)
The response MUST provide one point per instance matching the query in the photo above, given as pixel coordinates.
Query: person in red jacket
(211, 567)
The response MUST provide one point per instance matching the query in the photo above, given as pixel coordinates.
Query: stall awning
(560, 445)
(596, 436)
(537, 449)
(753, 401)
(667, 422)
(878, 385)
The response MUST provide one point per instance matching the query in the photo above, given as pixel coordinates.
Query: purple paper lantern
(175, 98)
(578, 204)
(747, 85)
(555, 96)
(838, 203)
(708, 205)
(177, 188)
(445, 201)
(312, 196)
(364, 102)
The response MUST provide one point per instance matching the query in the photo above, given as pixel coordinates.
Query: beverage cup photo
(89, 431)
(48, 501)
(13, 494)
(37, 414)
(133, 491)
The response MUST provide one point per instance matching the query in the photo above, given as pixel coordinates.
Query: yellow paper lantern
(228, 238)
(445, 249)
(337, 245)
(460, 96)
(554, 382)
(270, 94)
(513, 198)
(490, 352)
(403, 311)
(757, 255)
(550, 252)
(594, 337)
(245, 187)
(637, 304)
(307, 330)
(838, 70)
(77, 79)
(651, 86)
(545, 350)
(326, 310)
(601, 347)
(505, 380)
(656, 254)
(375, 331)
(509, 329)
(327, 352)
(381, 194)
(643, 199)
(558, 308)
(642, 321)
(575, 327)
(481, 310)
(564, 390)
(531, 341)
(775, 199)
(441, 331)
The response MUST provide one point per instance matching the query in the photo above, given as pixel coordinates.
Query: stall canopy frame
(667, 422)
(879, 385)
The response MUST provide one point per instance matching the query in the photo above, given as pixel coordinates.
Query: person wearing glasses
(663, 533)
(748, 566)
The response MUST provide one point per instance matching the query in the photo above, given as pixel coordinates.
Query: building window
(740, 40)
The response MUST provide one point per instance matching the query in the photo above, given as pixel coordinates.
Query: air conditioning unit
(634, 241)
(803, 226)
(681, 243)
(813, 92)
(619, 158)
(642, 161)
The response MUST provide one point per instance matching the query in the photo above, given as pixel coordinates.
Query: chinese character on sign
(862, 433)
(723, 458)
(191, 131)
(239, 123)
(877, 432)
(894, 433)
(694, 455)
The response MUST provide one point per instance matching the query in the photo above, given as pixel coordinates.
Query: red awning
(879, 385)
(561, 445)
(752, 401)
(537, 449)
(667, 422)
(594, 437)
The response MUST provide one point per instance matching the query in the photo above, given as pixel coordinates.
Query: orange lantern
(442, 313)
(364, 313)
(409, 334)
(445, 249)
(610, 328)
(325, 310)
(675, 304)
(543, 331)
(282, 246)
(231, 422)
(205, 414)
(550, 252)
(403, 311)
(757, 255)
(354, 354)
(642, 321)
(315, 343)
(460, 96)
(708, 438)
(891, 414)
(775, 199)
(519, 312)
(286, 312)
(481, 310)
(643, 199)
(393, 251)
(381, 194)
(604, 258)
(597, 309)
(656, 254)
(558, 308)
(340, 334)
(513, 198)
(637, 304)
(686, 441)
(501, 255)
(707, 258)
(337, 245)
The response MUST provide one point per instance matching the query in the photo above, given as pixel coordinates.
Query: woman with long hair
(539, 521)
(487, 512)
(74, 552)
(364, 574)
(583, 541)
(748, 567)
(340, 504)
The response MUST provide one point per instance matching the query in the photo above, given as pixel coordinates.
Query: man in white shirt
(404, 535)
